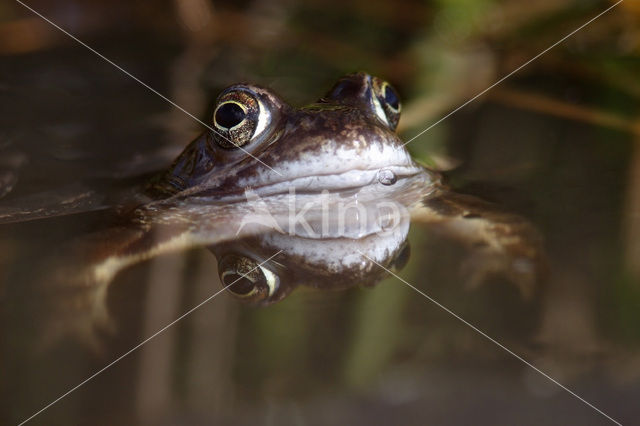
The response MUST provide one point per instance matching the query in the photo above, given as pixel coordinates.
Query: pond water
(553, 146)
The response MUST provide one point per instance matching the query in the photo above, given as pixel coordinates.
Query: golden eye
(387, 102)
(229, 114)
(391, 98)
(238, 118)
(246, 278)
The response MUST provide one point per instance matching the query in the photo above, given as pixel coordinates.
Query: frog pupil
(229, 115)
(391, 98)
(238, 284)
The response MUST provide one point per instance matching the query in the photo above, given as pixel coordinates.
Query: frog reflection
(249, 271)
(344, 146)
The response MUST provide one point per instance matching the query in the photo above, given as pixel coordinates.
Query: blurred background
(555, 143)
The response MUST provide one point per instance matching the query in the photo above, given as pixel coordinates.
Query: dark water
(76, 128)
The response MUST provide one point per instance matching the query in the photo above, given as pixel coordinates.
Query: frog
(345, 143)
(337, 166)
(339, 149)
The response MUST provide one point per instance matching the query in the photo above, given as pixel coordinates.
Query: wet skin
(267, 156)
(344, 144)
(343, 148)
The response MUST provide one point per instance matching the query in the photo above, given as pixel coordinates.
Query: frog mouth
(350, 205)
(354, 179)
(370, 183)
(353, 204)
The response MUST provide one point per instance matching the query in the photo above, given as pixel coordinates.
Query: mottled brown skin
(208, 167)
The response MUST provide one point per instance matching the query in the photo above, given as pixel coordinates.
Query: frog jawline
(346, 182)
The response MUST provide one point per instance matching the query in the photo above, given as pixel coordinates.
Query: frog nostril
(387, 177)
(229, 115)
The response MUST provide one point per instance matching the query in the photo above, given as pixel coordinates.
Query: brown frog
(320, 195)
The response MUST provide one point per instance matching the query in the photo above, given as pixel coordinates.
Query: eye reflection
(330, 263)
(247, 278)
(237, 283)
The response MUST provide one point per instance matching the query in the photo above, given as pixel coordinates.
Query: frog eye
(239, 117)
(386, 102)
(246, 278)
